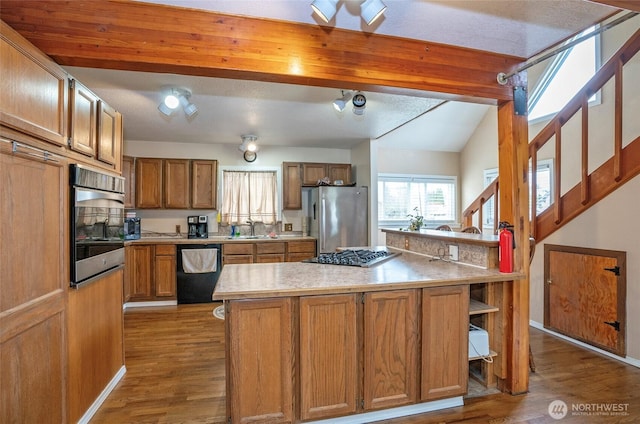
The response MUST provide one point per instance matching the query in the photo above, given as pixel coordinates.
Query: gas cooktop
(350, 257)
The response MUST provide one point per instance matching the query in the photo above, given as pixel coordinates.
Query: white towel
(195, 261)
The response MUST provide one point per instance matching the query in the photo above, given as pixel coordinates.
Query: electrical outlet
(288, 227)
(406, 243)
(178, 229)
(453, 252)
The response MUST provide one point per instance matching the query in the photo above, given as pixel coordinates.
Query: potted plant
(416, 221)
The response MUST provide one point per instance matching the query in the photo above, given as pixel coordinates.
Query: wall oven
(97, 224)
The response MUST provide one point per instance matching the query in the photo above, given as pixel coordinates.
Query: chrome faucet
(252, 225)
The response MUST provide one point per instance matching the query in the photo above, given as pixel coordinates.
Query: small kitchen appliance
(197, 226)
(131, 228)
(478, 342)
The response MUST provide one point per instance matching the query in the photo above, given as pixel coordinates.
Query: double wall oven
(97, 224)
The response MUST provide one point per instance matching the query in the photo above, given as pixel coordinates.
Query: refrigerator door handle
(322, 224)
(314, 211)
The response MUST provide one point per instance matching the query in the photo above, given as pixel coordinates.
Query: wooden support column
(513, 169)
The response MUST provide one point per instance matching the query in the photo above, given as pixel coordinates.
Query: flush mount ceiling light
(325, 9)
(177, 97)
(340, 103)
(359, 103)
(371, 10)
(249, 143)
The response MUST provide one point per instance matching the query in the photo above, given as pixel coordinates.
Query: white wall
(610, 223)
(269, 157)
(364, 161)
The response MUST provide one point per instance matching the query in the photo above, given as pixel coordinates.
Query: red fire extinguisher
(506, 244)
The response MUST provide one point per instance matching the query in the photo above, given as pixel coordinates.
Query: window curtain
(249, 195)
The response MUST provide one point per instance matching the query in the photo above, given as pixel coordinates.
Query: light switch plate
(453, 252)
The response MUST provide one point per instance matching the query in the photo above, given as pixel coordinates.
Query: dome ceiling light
(177, 97)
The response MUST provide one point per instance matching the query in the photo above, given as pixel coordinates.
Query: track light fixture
(325, 9)
(177, 97)
(340, 103)
(371, 10)
(359, 103)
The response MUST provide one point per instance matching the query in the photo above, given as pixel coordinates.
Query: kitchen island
(309, 341)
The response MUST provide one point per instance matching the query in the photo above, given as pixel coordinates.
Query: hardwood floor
(175, 374)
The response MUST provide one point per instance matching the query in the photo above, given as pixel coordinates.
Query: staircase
(621, 167)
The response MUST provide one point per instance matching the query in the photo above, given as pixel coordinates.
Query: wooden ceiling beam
(125, 35)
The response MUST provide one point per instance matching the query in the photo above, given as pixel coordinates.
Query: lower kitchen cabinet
(391, 348)
(445, 336)
(270, 252)
(259, 339)
(151, 271)
(300, 250)
(328, 356)
(237, 253)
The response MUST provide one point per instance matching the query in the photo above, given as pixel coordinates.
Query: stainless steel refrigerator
(339, 217)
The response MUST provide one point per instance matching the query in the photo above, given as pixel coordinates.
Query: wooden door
(312, 172)
(176, 183)
(83, 119)
(445, 342)
(291, 186)
(391, 346)
(140, 267)
(328, 356)
(165, 271)
(259, 355)
(339, 171)
(204, 188)
(108, 133)
(34, 280)
(129, 175)
(148, 183)
(585, 295)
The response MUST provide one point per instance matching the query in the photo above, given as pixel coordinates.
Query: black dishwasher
(196, 285)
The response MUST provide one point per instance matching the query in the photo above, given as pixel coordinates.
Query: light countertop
(408, 270)
(215, 239)
(489, 240)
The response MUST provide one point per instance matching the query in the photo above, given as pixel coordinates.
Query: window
(398, 195)
(567, 73)
(544, 188)
(249, 195)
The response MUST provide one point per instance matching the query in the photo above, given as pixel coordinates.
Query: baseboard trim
(627, 359)
(103, 396)
(387, 414)
(148, 304)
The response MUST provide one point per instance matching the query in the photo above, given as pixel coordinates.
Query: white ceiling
(290, 115)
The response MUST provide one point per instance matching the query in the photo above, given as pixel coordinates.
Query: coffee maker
(197, 227)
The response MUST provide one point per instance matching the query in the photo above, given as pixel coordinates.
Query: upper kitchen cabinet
(291, 186)
(312, 172)
(148, 177)
(204, 175)
(128, 172)
(109, 134)
(34, 89)
(176, 183)
(83, 119)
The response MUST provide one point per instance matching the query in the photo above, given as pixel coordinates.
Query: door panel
(584, 298)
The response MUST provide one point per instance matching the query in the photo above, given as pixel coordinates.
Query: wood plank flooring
(175, 374)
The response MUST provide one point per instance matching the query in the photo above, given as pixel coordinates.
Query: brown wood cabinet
(204, 190)
(237, 253)
(391, 348)
(328, 376)
(151, 271)
(128, 172)
(445, 335)
(300, 250)
(34, 89)
(312, 172)
(95, 335)
(165, 271)
(339, 171)
(260, 361)
(270, 252)
(83, 118)
(176, 182)
(148, 176)
(109, 134)
(33, 285)
(291, 186)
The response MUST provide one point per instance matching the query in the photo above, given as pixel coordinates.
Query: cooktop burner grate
(360, 257)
